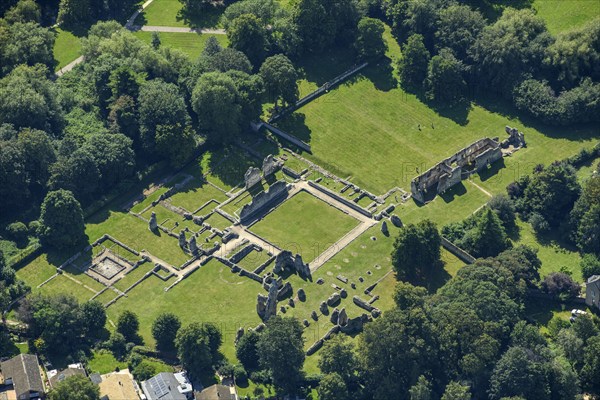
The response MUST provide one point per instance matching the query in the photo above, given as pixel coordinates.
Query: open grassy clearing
(103, 362)
(133, 276)
(67, 47)
(191, 44)
(254, 259)
(374, 132)
(83, 278)
(63, 285)
(563, 15)
(37, 271)
(135, 233)
(210, 294)
(170, 13)
(106, 296)
(305, 225)
(195, 194)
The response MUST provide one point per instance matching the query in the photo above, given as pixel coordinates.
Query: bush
(18, 232)
(226, 370)
(561, 286)
(590, 265)
(261, 377)
(539, 223)
(239, 374)
(34, 228)
(144, 371)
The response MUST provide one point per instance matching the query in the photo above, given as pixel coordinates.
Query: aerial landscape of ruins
(269, 199)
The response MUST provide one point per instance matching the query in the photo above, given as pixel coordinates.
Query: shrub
(18, 232)
(239, 374)
(539, 223)
(590, 265)
(226, 370)
(34, 228)
(560, 285)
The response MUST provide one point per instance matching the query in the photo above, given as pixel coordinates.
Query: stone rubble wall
(341, 199)
(457, 251)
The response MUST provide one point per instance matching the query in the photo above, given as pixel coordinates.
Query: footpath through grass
(67, 47)
(564, 15)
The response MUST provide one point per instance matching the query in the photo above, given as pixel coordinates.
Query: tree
(421, 390)
(156, 40)
(519, 373)
(176, 143)
(215, 100)
(314, 26)
(212, 45)
(14, 189)
(23, 11)
(591, 365)
(128, 325)
(333, 387)
(123, 118)
(489, 237)
(590, 265)
(456, 391)
(407, 296)
(123, 81)
(444, 83)
(144, 371)
(38, 153)
(588, 232)
(416, 251)
(560, 285)
(514, 45)
(76, 387)
(413, 64)
(584, 216)
(281, 351)
(370, 43)
(337, 357)
(195, 350)
(28, 99)
(503, 206)
(62, 220)
(246, 350)
(280, 78)
(226, 60)
(77, 173)
(93, 317)
(457, 28)
(409, 335)
(160, 103)
(248, 34)
(251, 91)
(120, 10)
(26, 43)
(113, 155)
(74, 13)
(164, 331)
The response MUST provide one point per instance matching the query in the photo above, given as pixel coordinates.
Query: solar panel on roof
(158, 385)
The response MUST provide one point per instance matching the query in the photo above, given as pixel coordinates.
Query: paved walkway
(69, 66)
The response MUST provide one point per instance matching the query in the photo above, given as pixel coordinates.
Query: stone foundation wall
(341, 199)
(276, 191)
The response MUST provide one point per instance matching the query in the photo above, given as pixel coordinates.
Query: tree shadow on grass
(438, 278)
(321, 68)
(295, 124)
(230, 164)
(381, 74)
(455, 191)
(208, 18)
(492, 171)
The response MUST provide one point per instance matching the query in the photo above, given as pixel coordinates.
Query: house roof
(64, 374)
(24, 370)
(216, 392)
(118, 386)
(163, 386)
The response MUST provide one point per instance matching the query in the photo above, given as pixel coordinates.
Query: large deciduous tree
(281, 351)
(62, 220)
(280, 78)
(164, 331)
(413, 63)
(370, 43)
(248, 34)
(444, 83)
(416, 251)
(197, 346)
(77, 387)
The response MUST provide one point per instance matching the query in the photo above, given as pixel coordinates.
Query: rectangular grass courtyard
(304, 224)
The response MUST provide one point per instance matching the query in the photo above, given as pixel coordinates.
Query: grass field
(195, 194)
(191, 44)
(63, 285)
(37, 271)
(561, 15)
(67, 47)
(372, 131)
(305, 225)
(170, 13)
(210, 294)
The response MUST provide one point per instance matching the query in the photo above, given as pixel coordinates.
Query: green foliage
(337, 357)
(128, 325)
(369, 42)
(407, 296)
(62, 220)
(561, 286)
(264, 10)
(247, 34)
(414, 62)
(280, 79)
(197, 347)
(590, 265)
(489, 237)
(13, 173)
(25, 43)
(416, 251)
(444, 82)
(74, 13)
(18, 232)
(240, 375)
(421, 390)
(77, 173)
(215, 100)
(519, 373)
(176, 143)
(456, 391)
(28, 99)
(591, 364)
(77, 387)
(39, 154)
(281, 351)
(144, 371)
(155, 42)
(23, 11)
(333, 387)
(164, 330)
(246, 350)
(458, 28)
(584, 217)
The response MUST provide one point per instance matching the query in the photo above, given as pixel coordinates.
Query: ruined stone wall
(276, 191)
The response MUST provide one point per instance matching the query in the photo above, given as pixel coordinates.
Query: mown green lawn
(37, 271)
(210, 294)
(63, 285)
(170, 13)
(561, 15)
(191, 44)
(67, 47)
(304, 224)
(103, 362)
(195, 194)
